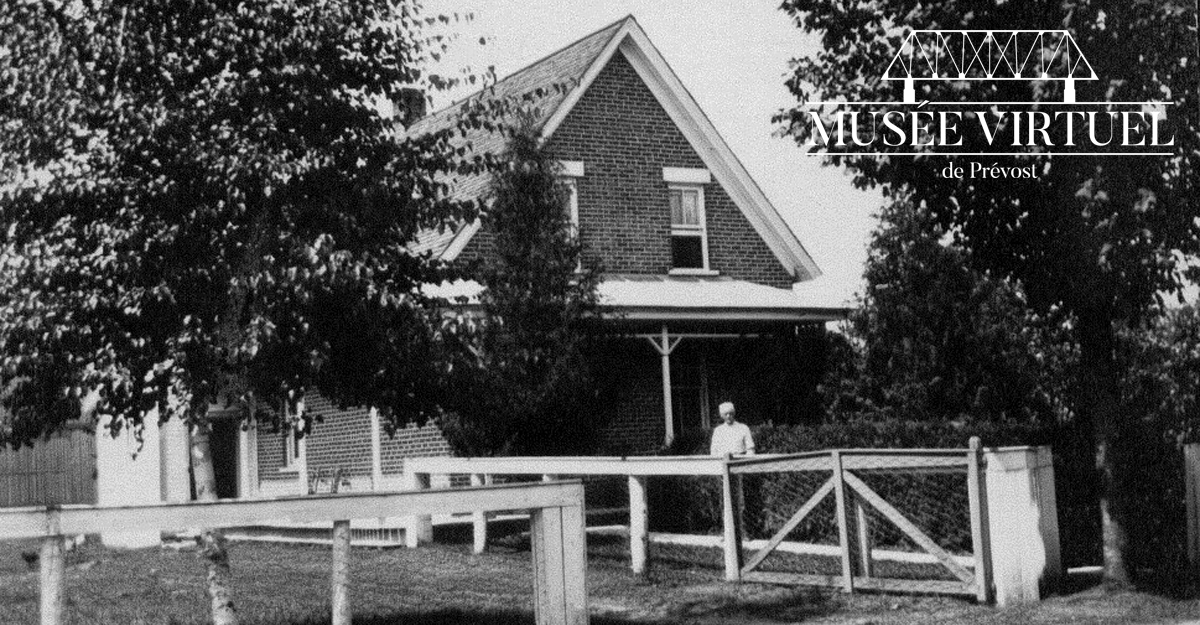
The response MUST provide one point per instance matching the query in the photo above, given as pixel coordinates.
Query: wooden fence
(557, 534)
(418, 473)
(58, 470)
(1007, 497)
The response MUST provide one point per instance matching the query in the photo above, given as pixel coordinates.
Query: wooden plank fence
(58, 470)
(559, 559)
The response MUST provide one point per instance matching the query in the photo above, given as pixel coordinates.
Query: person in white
(731, 437)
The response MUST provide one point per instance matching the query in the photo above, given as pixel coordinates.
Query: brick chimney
(409, 104)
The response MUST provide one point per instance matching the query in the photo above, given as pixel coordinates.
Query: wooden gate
(905, 520)
(57, 470)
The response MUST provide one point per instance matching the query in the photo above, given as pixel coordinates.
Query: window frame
(571, 184)
(682, 230)
(295, 447)
(568, 177)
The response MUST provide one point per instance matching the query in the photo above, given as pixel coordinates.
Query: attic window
(689, 236)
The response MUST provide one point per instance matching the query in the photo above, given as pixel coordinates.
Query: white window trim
(295, 450)
(569, 178)
(686, 175)
(702, 230)
(573, 205)
(692, 271)
(571, 169)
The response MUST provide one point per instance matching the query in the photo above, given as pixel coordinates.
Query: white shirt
(731, 439)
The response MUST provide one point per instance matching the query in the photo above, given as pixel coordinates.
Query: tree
(1099, 236)
(1160, 391)
(202, 204)
(528, 388)
(941, 341)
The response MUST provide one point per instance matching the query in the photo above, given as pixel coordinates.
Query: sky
(733, 58)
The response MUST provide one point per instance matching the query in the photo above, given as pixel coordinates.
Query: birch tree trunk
(212, 541)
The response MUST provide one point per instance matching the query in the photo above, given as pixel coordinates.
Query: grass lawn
(446, 584)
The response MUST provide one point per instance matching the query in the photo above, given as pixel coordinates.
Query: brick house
(706, 277)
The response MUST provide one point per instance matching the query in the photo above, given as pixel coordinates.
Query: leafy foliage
(941, 341)
(1162, 380)
(201, 202)
(529, 387)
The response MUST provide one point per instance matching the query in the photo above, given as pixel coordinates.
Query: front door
(223, 443)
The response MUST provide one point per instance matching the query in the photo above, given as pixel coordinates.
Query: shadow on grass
(813, 605)
(464, 617)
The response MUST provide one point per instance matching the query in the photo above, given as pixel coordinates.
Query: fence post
(1022, 523)
(479, 519)
(420, 526)
(731, 518)
(340, 579)
(52, 578)
(639, 524)
(1191, 477)
(862, 521)
(559, 566)
(981, 544)
(839, 491)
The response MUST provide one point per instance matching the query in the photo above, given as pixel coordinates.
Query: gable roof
(540, 87)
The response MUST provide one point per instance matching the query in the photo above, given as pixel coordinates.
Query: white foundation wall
(174, 445)
(128, 472)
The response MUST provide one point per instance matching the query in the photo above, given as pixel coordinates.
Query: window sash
(685, 208)
(688, 228)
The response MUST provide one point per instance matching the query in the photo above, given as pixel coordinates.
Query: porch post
(664, 348)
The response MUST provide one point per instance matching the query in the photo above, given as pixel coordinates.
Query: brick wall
(412, 441)
(341, 439)
(624, 138)
(270, 456)
(635, 414)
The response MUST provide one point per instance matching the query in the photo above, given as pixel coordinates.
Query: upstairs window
(689, 235)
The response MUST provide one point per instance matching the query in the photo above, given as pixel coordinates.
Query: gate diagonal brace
(906, 526)
(791, 524)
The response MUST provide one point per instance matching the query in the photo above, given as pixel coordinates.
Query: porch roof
(695, 298)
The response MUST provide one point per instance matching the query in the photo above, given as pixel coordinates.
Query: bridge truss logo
(978, 55)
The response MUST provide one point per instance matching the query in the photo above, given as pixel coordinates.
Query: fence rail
(556, 508)
(570, 465)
